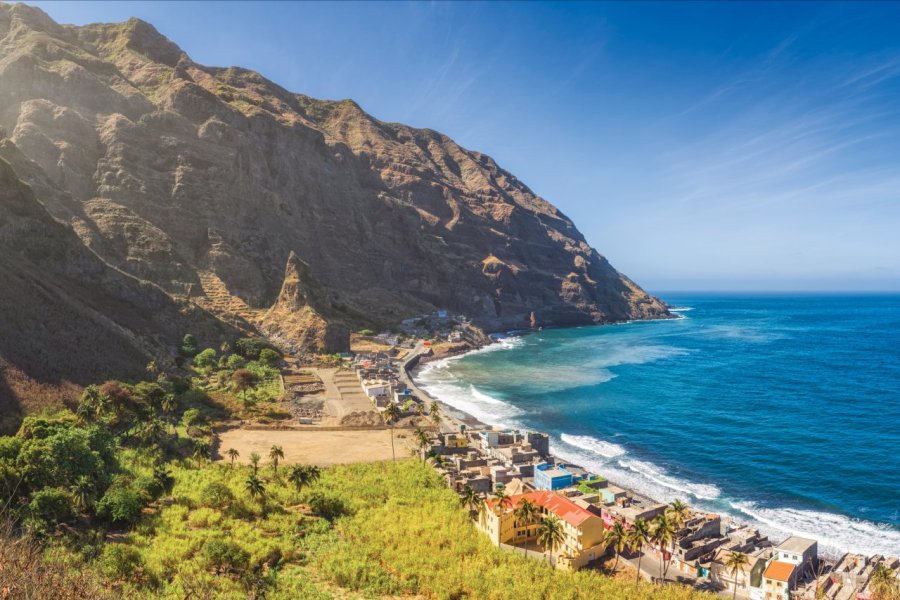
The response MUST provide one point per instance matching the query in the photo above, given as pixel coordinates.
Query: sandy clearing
(322, 448)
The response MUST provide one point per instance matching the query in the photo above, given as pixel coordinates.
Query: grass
(396, 531)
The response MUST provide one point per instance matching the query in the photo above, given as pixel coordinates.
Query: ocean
(782, 411)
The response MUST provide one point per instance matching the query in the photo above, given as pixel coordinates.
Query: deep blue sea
(782, 411)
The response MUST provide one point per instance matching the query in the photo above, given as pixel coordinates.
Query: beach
(650, 406)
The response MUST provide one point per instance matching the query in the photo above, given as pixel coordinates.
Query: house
(583, 529)
(759, 551)
(629, 509)
(455, 440)
(377, 387)
(800, 552)
(779, 579)
(539, 442)
(611, 494)
(553, 477)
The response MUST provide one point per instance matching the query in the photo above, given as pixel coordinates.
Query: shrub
(120, 505)
(250, 347)
(148, 487)
(205, 359)
(225, 556)
(188, 345)
(50, 506)
(216, 494)
(328, 507)
(235, 362)
(367, 332)
(269, 357)
(190, 417)
(118, 561)
(204, 517)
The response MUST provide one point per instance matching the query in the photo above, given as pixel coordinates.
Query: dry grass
(24, 575)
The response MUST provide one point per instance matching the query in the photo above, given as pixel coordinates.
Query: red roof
(561, 506)
(779, 571)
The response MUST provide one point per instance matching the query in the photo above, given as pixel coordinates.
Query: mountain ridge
(215, 185)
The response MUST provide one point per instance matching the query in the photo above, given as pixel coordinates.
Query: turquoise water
(782, 411)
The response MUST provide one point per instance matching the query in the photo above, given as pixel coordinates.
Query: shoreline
(776, 530)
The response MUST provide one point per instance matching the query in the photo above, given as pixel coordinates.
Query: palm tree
(735, 563)
(501, 500)
(617, 537)
(151, 432)
(275, 454)
(678, 514)
(481, 510)
(83, 493)
(470, 499)
(435, 412)
(884, 583)
(422, 439)
(637, 537)
(550, 534)
(202, 451)
(254, 460)
(232, 454)
(302, 475)
(312, 474)
(391, 415)
(298, 476)
(525, 513)
(255, 487)
(663, 535)
(420, 409)
(163, 477)
(241, 381)
(168, 406)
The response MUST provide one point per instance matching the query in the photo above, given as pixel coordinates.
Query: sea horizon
(736, 407)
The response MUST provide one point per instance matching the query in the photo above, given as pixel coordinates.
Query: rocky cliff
(206, 182)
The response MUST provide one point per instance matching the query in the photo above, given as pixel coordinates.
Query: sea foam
(835, 533)
(592, 444)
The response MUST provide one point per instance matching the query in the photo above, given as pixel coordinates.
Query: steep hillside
(277, 212)
(68, 319)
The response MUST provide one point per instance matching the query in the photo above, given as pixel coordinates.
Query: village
(498, 471)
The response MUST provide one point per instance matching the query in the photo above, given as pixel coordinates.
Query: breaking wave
(835, 533)
(592, 444)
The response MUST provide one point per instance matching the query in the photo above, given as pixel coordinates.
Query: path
(450, 424)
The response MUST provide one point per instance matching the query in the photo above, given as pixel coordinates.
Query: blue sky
(697, 146)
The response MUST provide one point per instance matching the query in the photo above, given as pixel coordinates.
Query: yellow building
(584, 531)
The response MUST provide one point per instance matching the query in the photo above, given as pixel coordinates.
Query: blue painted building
(553, 477)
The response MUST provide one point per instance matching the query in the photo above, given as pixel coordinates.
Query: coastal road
(650, 569)
(450, 424)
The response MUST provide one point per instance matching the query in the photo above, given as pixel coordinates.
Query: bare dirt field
(322, 448)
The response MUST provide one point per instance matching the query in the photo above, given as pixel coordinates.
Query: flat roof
(796, 544)
(779, 571)
(555, 472)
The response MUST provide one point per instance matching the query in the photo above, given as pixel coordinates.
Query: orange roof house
(561, 506)
(779, 571)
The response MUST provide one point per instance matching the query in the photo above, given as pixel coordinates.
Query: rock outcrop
(206, 181)
(296, 321)
(68, 318)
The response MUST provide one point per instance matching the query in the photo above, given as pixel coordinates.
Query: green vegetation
(245, 384)
(589, 486)
(120, 497)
